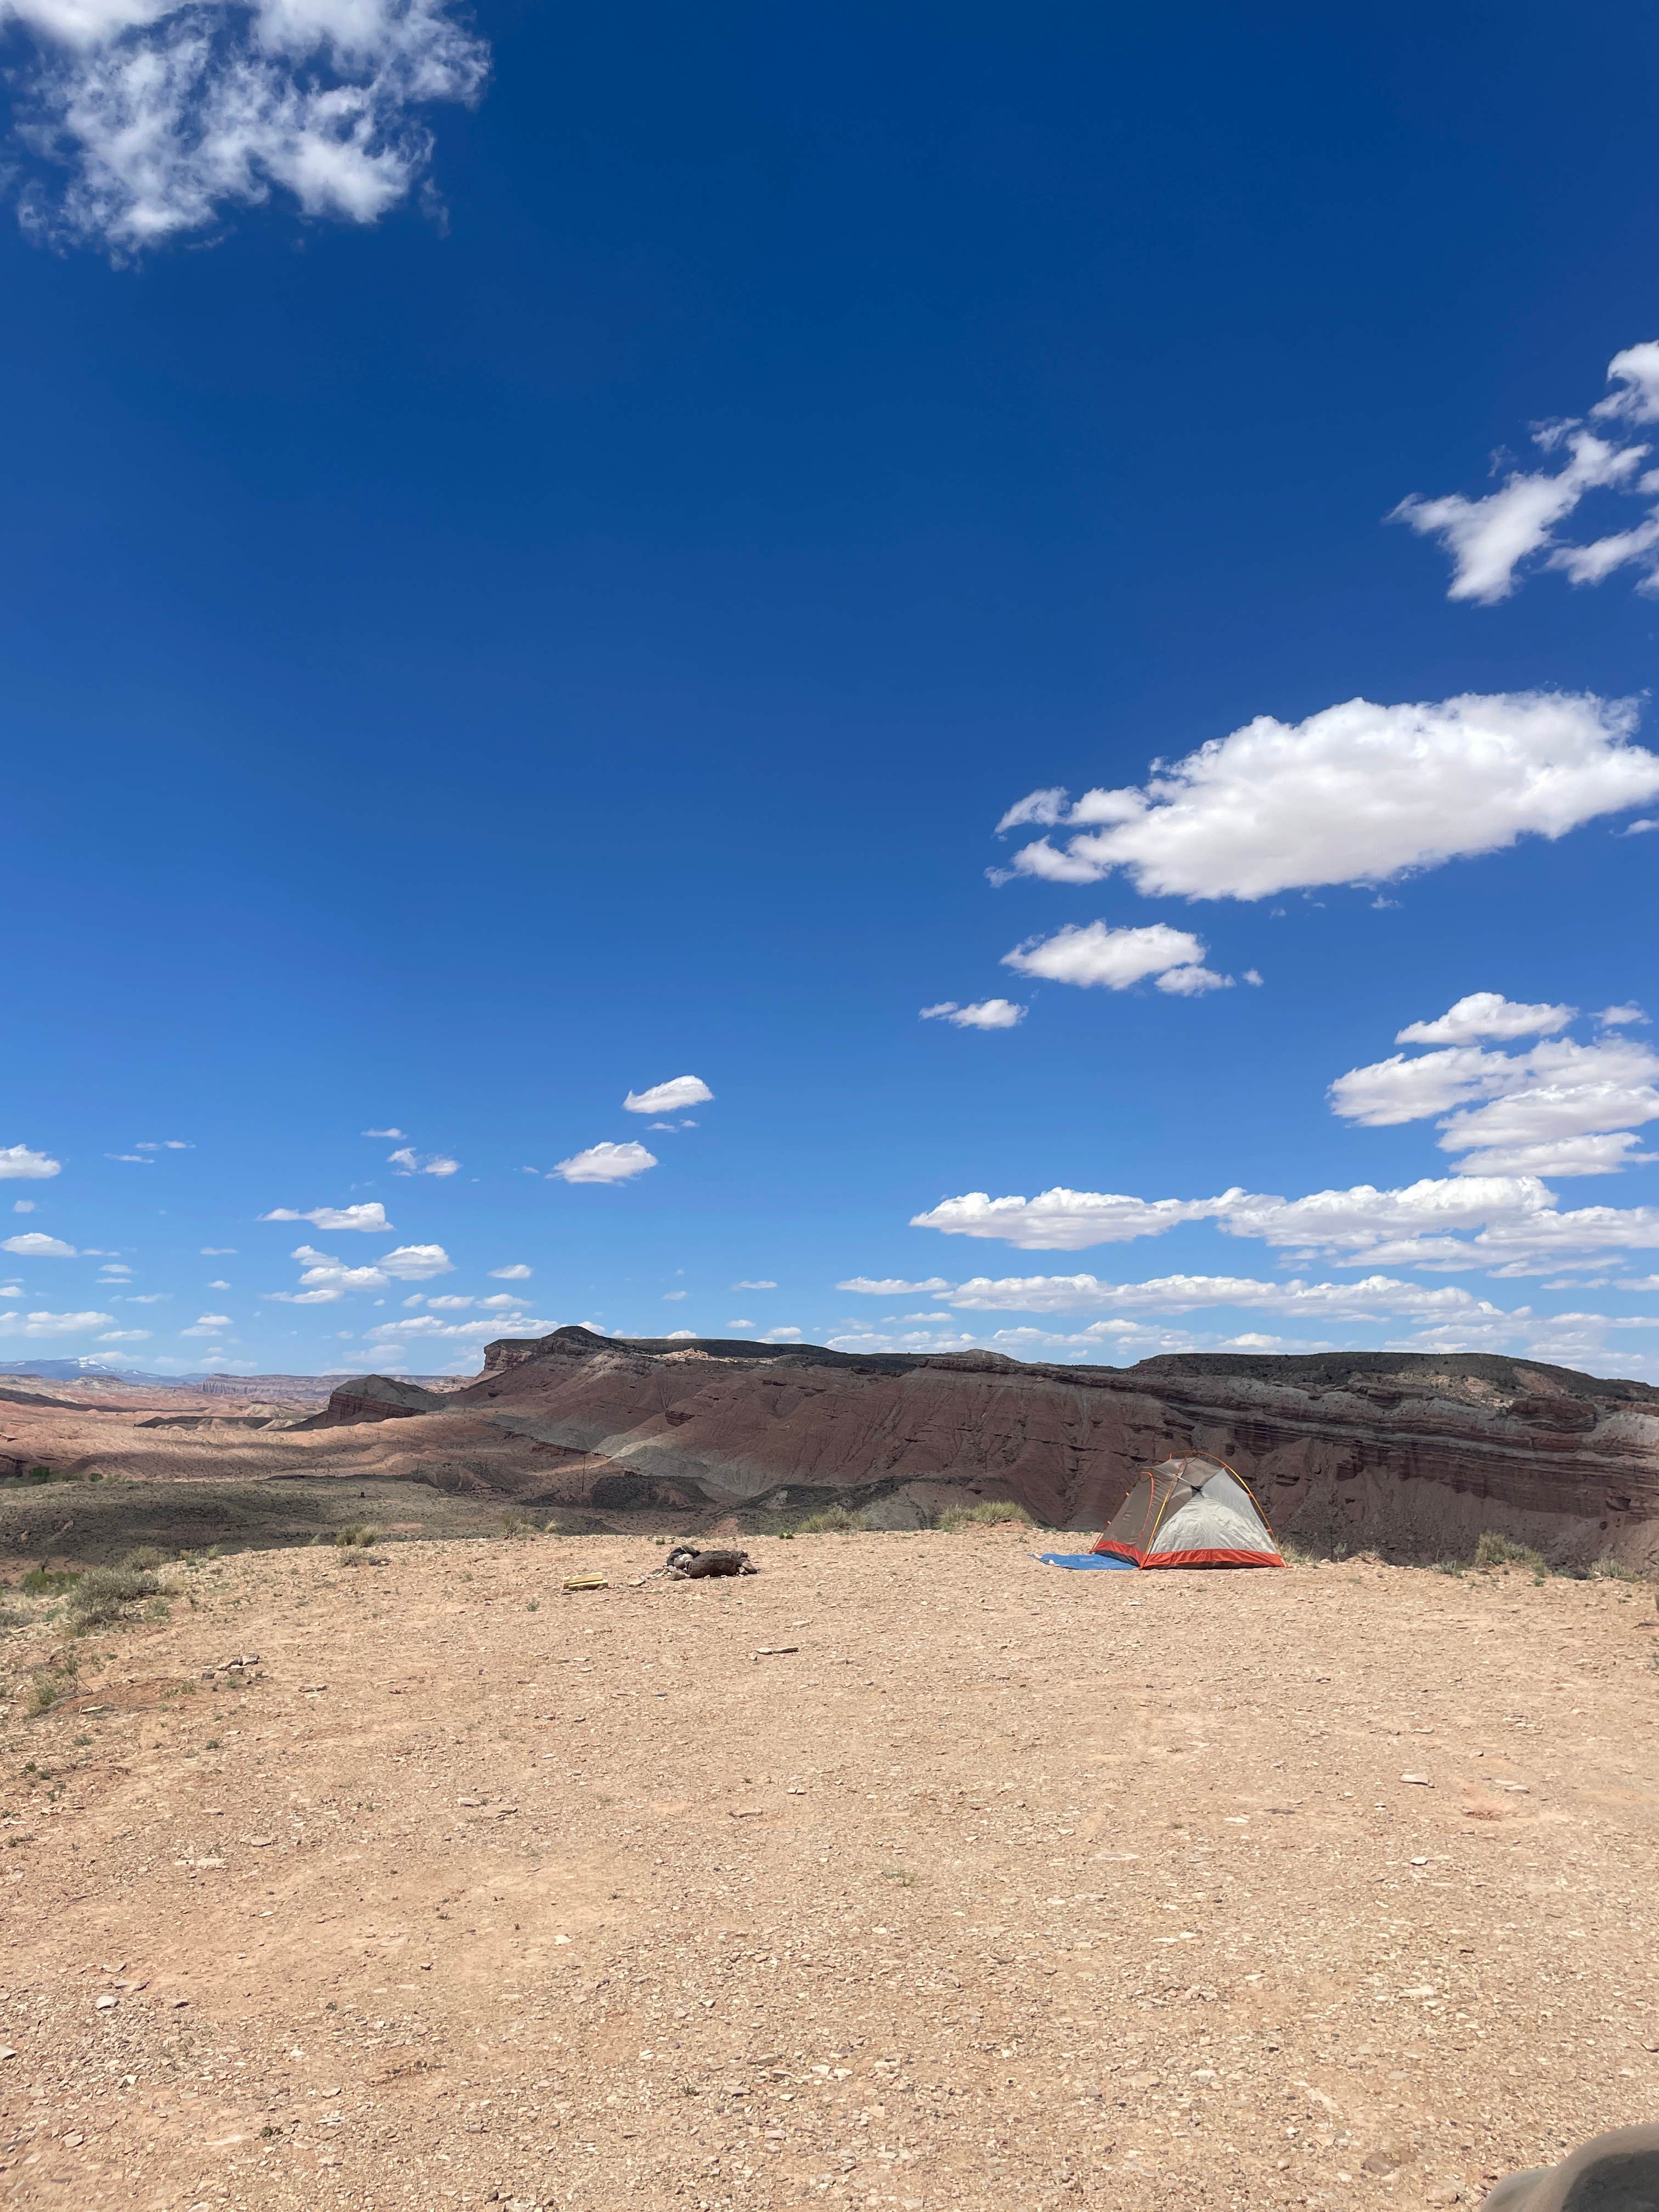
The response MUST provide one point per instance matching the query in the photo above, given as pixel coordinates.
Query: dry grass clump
(834, 1521)
(355, 1537)
(51, 1683)
(1496, 1551)
(102, 1594)
(994, 1513)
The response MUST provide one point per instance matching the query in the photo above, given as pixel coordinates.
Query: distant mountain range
(72, 1370)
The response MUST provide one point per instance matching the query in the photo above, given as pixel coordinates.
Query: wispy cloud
(670, 1098)
(407, 1161)
(32, 1245)
(984, 1014)
(1494, 540)
(161, 115)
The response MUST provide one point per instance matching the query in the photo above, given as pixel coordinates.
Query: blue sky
(540, 548)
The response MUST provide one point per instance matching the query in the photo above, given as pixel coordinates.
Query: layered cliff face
(1418, 1452)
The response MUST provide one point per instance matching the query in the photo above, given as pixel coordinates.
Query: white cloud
(1488, 1014)
(37, 1326)
(985, 1014)
(778, 1336)
(114, 1271)
(740, 1324)
(124, 1336)
(1489, 538)
(605, 1163)
(422, 1326)
(1539, 1108)
(1492, 540)
(1377, 1296)
(1614, 1018)
(131, 1159)
(415, 1263)
(207, 1325)
(160, 1297)
(1090, 954)
(1508, 1225)
(163, 1144)
(165, 113)
(218, 1284)
(23, 1206)
(18, 1161)
(670, 1098)
(676, 1335)
(1061, 1220)
(34, 1245)
(407, 1161)
(395, 1135)
(370, 1217)
(885, 1286)
(1357, 793)
(518, 1273)
(501, 1298)
(760, 1285)
(452, 1302)
(218, 1251)
(670, 1296)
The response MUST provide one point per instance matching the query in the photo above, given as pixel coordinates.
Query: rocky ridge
(1416, 1450)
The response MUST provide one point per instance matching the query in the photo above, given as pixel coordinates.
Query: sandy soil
(911, 1873)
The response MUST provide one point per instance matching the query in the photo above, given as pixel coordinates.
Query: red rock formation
(1414, 1450)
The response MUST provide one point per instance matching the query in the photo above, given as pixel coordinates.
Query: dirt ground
(910, 1873)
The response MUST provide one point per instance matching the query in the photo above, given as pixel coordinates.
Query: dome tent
(1190, 1511)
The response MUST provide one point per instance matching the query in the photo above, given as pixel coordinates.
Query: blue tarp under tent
(1082, 1559)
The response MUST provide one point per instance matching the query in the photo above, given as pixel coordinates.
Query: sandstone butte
(1418, 1453)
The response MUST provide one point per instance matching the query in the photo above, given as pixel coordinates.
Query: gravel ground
(910, 1873)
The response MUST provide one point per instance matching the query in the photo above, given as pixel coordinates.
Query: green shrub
(51, 1684)
(1496, 1551)
(991, 1514)
(49, 1582)
(144, 1557)
(354, 1535)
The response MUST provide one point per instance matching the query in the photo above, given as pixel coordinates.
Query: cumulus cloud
(1376, 1297)
(780, 1336)
(882, 1286)
(161, 115)
(422, 1326)
(670, 1098)
(985, 1014)
(1553, 1110)
(37, 1326)
(207, 1325)
(34, 1245)
(1506, 1224)
(1061, 1220)
(370, 1217)
(1615, 1017)
(1091, 955)
(17, 1161)
(605, 1163)
(1488, 1014)
(23, 1206)
(407, 1161)
(1358, 793)
(518, 1273)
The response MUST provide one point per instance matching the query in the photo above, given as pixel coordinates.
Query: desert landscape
(371, 1865)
